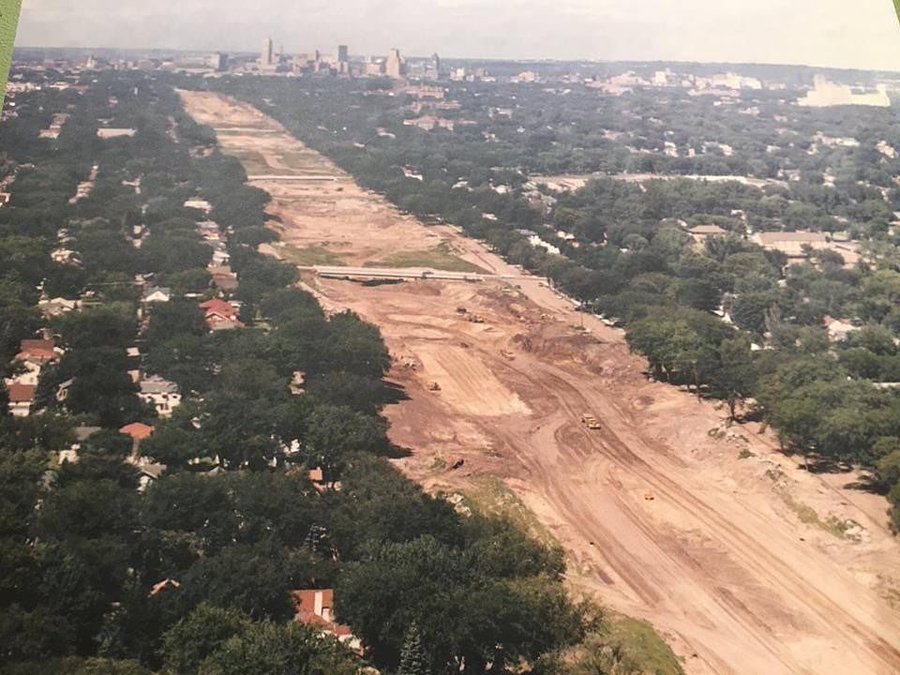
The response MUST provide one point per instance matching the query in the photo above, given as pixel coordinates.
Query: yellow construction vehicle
(590, 421)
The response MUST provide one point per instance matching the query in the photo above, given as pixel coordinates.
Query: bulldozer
(590, 421)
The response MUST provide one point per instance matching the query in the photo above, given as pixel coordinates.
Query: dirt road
(746, 563)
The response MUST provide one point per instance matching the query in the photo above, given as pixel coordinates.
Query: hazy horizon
(819, 33)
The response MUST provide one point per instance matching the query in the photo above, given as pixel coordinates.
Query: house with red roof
(137, 430)
(39, 351)
(21, 398)
(315, 608)
(220, 315)
(217, 322)
(219, 306)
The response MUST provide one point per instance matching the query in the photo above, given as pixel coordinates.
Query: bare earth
(745, 565)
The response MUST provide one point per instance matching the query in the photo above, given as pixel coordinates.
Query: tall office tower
(394, 66)
(343, 54)
(436, 64)
(219, 61)
(267, 58)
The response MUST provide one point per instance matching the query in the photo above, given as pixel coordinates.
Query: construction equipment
(590, 421)
(474, 318)
(434, 386)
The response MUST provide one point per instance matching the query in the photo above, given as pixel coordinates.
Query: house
(150, 472)
(430, 123)
(209, 231)
(82, 433)
(226, 282)
(792, 244)
(133, 355)
(199, 204)
(161, 394)
(164, 585)
(315, 608)
(138, 432)
(220, 257)
(110, 132)
(220, 315)
(837, 330)
(156, 294)
(62, 391)
(65, 256)
(51, 308)
(21, 398)
(69, 456)
(217, 322)
(796, 244)
(700, 233)
(39, 351)
(31, 373)
(219, 306)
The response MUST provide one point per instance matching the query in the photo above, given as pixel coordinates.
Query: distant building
(267, 56)
(825, 93)
(343, 54)
(430, 123)
(393, 67)
(375, 68)
(219, 61)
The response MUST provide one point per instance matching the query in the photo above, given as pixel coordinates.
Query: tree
(749, 310)
(335, 432)
(255, 579)
(887, 451)
(735, 378)
(199, 635)
(413, 658)
(279, 649)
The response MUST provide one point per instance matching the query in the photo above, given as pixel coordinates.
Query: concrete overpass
(400, 273)
(312, 178)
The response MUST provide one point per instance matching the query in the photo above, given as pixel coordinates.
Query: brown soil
(745, 565)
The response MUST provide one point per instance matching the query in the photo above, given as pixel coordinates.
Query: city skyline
(811, 32)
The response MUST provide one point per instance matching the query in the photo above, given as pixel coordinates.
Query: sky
(839, 33)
